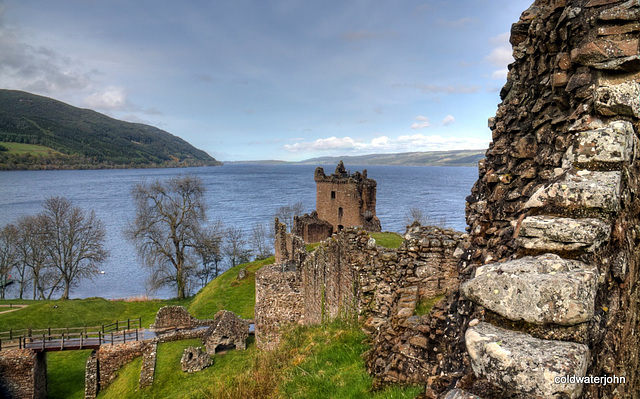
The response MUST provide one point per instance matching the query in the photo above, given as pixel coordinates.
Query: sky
(271, 79)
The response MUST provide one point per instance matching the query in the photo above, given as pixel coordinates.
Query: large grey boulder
(521, 363)
(581, 189)
(610, 144)
(549, 233)
(540, 290)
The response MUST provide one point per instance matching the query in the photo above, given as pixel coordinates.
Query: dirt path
(13, 307)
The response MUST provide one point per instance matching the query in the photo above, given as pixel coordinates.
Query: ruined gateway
(545, 285)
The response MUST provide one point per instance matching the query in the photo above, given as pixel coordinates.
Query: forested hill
(82, 138)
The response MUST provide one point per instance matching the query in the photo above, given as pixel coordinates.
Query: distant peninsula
(42, 133)
(427, 158)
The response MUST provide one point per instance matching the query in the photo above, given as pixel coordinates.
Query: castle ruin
(346, 200)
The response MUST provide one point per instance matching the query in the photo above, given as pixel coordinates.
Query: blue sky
(271, 79)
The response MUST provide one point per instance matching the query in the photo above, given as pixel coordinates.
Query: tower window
(333, 195)
(340, 212)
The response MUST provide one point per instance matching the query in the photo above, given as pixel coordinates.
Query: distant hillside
(85, 138)
(429, 158)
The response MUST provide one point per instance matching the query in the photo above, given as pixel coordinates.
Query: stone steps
(520, 362)
(540, 290)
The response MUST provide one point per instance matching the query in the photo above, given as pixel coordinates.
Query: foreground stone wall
(23, 374)
(551, 266)
(279, 302)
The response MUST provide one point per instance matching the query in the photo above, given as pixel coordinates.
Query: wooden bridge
(74, 338)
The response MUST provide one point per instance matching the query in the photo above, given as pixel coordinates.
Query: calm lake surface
(237, 194)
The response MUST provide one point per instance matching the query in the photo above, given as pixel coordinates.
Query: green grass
(388, 239)
(20, 148)
(312, 247)
(80, 312)
(312, 362)
(227, 292)
(329, 365)
(65, 374)
(425, 305)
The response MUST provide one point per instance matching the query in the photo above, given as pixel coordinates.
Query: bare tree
(209, 249)
(415, 215)
(235, 247)
(287, 212)
(8, 255)
(34, 257)
(259, 241)
(73, 240)
(168, 219)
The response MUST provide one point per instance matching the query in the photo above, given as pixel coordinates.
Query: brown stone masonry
(346, 200)
(23, 374)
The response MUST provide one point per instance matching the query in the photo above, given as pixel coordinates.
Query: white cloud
(381, 142)
(111, 98)
(449, 119)
(500, 74)
(500, 56)
(423, 122)
(385, 144)
(331, 143)
(450, 89)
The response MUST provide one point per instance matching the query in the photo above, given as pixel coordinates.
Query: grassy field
(80, 312)
(20, 148)
(312, 362)
(65, 374)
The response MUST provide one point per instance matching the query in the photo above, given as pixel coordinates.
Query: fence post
(99, 338)
(43, 341)
(136, 335)
(49, 333)
(128, 324)
(11, 333)
(111, 337)
(62, 342)
(116, 325)
(139, 321)
(81, 340)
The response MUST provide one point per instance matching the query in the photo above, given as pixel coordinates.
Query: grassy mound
(229, 293)
(312, 362)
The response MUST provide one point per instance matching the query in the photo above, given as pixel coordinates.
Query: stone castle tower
(346, 200)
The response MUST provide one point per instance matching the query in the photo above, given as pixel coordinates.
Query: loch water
(238, 194)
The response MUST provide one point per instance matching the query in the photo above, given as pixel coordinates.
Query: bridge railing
(116, 332)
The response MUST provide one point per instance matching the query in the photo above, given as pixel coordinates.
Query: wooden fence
(69, 338)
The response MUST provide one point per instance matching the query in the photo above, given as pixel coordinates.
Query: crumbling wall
(350, 276)
(560, 179)
(311, 229)
(279, 302)
(227, 329)
(290, 249)
(23, 374)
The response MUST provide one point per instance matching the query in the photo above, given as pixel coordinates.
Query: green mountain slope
(89, 137)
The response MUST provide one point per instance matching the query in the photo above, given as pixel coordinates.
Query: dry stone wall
(23, 374)
(348, 275)
(550, 268)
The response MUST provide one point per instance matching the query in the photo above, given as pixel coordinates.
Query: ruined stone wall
(290, 250)
(346, 200)
(112, 357)
(23, 374)
(553, 216)
(279, 302)
(311, 229)
(350, 276)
